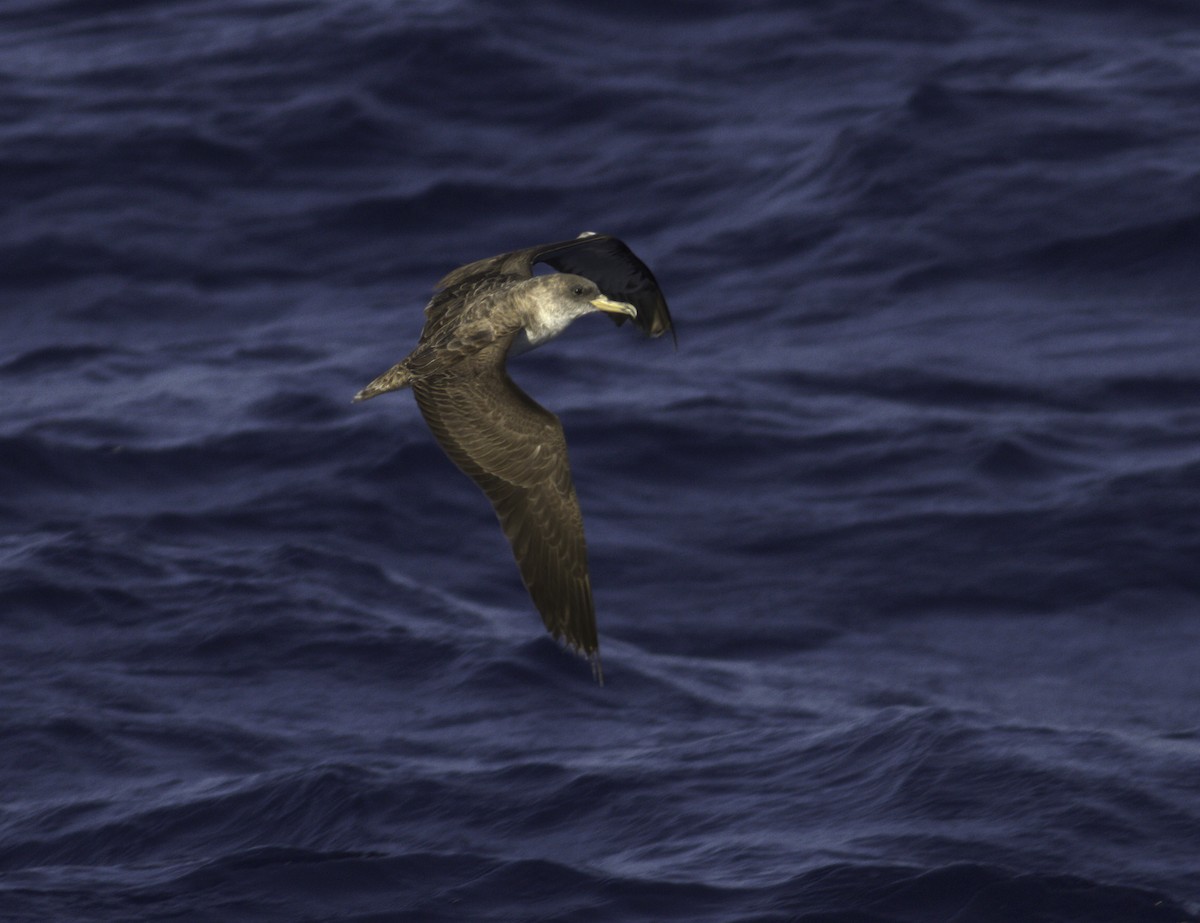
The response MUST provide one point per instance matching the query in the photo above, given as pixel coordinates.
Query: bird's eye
(578, 290)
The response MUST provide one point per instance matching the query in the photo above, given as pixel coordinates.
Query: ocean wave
(894, 557)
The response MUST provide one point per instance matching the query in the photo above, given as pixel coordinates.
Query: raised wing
(604, 259)
(515, 451)
(618, 273)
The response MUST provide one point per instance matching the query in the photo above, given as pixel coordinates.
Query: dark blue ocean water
(896, 558)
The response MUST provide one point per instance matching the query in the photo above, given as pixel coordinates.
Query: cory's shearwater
(506, 443)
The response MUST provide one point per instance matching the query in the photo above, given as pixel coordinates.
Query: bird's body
(509, 445)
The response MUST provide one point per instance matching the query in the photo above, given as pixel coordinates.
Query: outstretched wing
(515, 451)
(604, 259)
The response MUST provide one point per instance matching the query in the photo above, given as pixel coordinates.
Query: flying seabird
(509, 445)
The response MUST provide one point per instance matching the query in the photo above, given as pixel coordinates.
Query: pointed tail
(398, 376)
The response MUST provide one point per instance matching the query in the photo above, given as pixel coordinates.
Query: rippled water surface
(895, 557)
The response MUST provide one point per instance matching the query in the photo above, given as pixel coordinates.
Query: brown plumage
(509, 445)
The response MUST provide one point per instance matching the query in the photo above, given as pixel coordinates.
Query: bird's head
(553, 301)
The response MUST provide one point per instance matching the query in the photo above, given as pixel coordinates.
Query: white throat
(548, 305)
(542, 328)
(531, 336)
